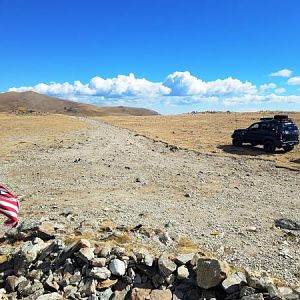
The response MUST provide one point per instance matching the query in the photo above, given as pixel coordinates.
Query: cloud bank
(178, 88)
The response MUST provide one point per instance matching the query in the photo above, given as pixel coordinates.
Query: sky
(170, 56)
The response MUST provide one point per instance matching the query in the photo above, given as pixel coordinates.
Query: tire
(237, 142)
(269, 147)
(288, 148)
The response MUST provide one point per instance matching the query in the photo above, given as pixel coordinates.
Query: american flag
(9, 206)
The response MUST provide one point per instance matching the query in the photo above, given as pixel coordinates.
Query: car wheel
(269, 147)
(288, 148)
(237, 142)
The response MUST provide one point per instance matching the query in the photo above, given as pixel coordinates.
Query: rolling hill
(31, 102)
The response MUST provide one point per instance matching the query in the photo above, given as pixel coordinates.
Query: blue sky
(172, 56)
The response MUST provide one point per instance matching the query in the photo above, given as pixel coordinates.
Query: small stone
(104, 252)
(246, 291)
(117, 267)
(188, 195)
(161, 295)
(287, 224)
(258, 296)
(233, 282)
(98, 262)
(258, 280)
(106, 283)
(285, 291)
(100, 273)
(165, 265)
(69, 291)
(211, 272)
(11, 283)
(86, 254)
(52, 296)
(89, 287)
(140, 294)
(106, 294)
(182, 273)
(183, 259)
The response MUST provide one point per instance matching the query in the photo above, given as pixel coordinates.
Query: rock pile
(45, 268)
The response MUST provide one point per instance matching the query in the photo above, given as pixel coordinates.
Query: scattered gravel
(107, 173)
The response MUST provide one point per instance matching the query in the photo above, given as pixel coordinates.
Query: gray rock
(52, 296)
(86, 254)
(211, 272)
(183, 259)
(69, 291)
(258, 280)
(233, 282)
(98, 262)
(26, 255)
(165, 265)
(106, 294)
(182, 273)
(117, 267)
(88, 288)
(55, 246)
(258, 296)
(69, 251)
(100, 273)
(104, 252)
(287, 224)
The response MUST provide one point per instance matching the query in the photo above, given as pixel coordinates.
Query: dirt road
(227, 205)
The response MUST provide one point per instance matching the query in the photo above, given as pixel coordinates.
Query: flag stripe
(9, 207)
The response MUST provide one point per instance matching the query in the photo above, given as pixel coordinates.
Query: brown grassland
(208, 133)
(26, 131)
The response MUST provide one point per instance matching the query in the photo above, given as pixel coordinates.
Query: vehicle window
(289, 127)
(254, 126)
(263, 126)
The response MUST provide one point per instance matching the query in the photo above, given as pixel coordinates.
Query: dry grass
(20, 132)
(206, 133)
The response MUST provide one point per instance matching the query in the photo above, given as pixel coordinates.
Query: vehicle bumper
(289, 143)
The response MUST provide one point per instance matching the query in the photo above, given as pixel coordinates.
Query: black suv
(272, 133)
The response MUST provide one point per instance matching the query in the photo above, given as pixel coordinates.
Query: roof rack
(266, 119)
(281, 117)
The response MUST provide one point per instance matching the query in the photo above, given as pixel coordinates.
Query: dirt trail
(104, 171)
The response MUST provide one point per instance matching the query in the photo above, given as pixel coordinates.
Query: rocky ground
(110, 176)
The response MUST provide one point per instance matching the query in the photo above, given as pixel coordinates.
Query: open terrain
(208, 133)
(226, 204)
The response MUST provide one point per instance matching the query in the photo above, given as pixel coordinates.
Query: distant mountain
(31, 102)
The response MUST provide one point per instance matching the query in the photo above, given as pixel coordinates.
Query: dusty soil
(207, 133)
(232, 201)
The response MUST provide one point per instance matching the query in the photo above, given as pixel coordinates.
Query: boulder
(211, 272)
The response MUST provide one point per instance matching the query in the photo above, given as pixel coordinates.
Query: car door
(250, 135)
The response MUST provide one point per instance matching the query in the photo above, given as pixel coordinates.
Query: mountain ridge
(32, 102)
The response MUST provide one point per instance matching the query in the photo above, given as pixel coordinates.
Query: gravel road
(226, 205)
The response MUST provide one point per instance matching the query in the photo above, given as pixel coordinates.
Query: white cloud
(185, 84)
(179, 88)
(267, 86)
(280, 90)
(282, 73)
(294, 80)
